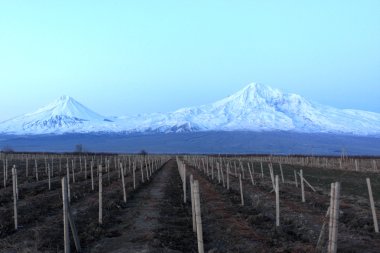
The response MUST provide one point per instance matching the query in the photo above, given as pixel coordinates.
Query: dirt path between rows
(224, 230)
(155, 219)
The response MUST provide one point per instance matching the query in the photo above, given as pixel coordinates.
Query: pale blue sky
(126, 57)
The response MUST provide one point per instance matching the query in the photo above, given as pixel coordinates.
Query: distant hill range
(255, 108)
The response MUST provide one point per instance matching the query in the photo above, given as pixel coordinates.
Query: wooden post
(302, 186)
(68, 181)
(85, 169)
(356, 165)
(375, 224)
(282, 174)
(193, 203)
(331, 216)
(295, 178)
(198, 217)
(36, 167)
(277, 203)
(49, 177)
(142, 173)
(334, 235)
(250, 173)
(134, 176)
(228, 176)
(222, 173)
(242, 169)
(212, 171)
(4, 175)
(218, 168)
(73, 170)
(334, 216)
(92, 174)
(123, 183)
(14, 183)
(272, 176)
(66, 234)
(184, 183)
(100, 195)
(52, 167)
(26, 167)
(241, 190)
(262, 170)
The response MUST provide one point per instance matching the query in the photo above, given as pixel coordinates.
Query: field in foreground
(155, 218)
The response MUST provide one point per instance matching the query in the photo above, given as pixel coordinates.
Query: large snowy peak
(259, 107)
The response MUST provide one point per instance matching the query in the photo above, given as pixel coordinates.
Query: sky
(128, 57)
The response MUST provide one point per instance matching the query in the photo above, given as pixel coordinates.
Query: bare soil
(155, 219)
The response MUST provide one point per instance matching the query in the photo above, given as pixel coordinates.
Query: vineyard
(161, 203)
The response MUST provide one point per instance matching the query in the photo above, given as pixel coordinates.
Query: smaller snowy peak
(66, 106)
(64, 114)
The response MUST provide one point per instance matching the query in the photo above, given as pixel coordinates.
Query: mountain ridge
(256, 107)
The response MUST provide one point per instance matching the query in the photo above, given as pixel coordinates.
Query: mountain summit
(256, 107)
(64, 114)
(66, 107)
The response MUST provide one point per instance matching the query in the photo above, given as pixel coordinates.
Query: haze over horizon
(123, 58)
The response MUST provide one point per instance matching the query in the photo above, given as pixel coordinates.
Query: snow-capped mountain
(64, 114)
(261, 108)
(254, 108)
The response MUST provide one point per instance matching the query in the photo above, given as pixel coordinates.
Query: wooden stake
(92, 174)
(66, 235)
(250, 173)
(302, 186)
(134, 176)
(123, 183)
(295, 178)
(375, 224)
(282, 174)
(85, 169)
(100, 195)
(26, 167)
(333, 226)
(35, 163)
(277, 203)
(218, 168)
(49, 177)
(73, 170)
(198, 217)
(68, 181)
(14, 183)
(184, 183)
(241, 190)
(228, 176)
(193, 203)
(222, 173)
(336, 217)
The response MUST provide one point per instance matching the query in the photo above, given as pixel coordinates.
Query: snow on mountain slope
(65, 114)
(254, 108)
(261, 108)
